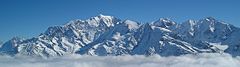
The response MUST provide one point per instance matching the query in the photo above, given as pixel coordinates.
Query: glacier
(104, 35)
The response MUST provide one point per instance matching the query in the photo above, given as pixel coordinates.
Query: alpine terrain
(110, 36)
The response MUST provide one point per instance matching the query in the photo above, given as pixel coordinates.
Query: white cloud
(201, 60)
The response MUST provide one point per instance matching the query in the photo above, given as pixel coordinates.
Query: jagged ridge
(106, 35)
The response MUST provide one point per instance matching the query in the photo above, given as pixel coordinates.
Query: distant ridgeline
(107, 35)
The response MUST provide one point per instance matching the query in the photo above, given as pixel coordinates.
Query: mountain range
(104, 35)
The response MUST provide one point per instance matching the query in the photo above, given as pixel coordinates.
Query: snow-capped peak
(131, 24)
(103, 20)
(210, 19)
(104, 16)
(104, 35)
(164, 22)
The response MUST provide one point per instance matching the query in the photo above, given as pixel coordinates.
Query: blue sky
(29, 18)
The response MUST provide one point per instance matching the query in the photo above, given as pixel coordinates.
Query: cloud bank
(201, 60)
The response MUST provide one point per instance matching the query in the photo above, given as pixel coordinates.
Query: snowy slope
(106, 35)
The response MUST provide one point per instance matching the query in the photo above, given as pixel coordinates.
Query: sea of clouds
(200, 60)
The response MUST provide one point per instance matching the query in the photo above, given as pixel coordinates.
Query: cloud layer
(201, 60)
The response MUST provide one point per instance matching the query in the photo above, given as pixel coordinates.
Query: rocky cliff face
(106, 35)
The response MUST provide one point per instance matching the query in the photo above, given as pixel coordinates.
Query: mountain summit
(107, 35)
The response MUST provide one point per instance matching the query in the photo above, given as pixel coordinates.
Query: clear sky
(29, 18)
